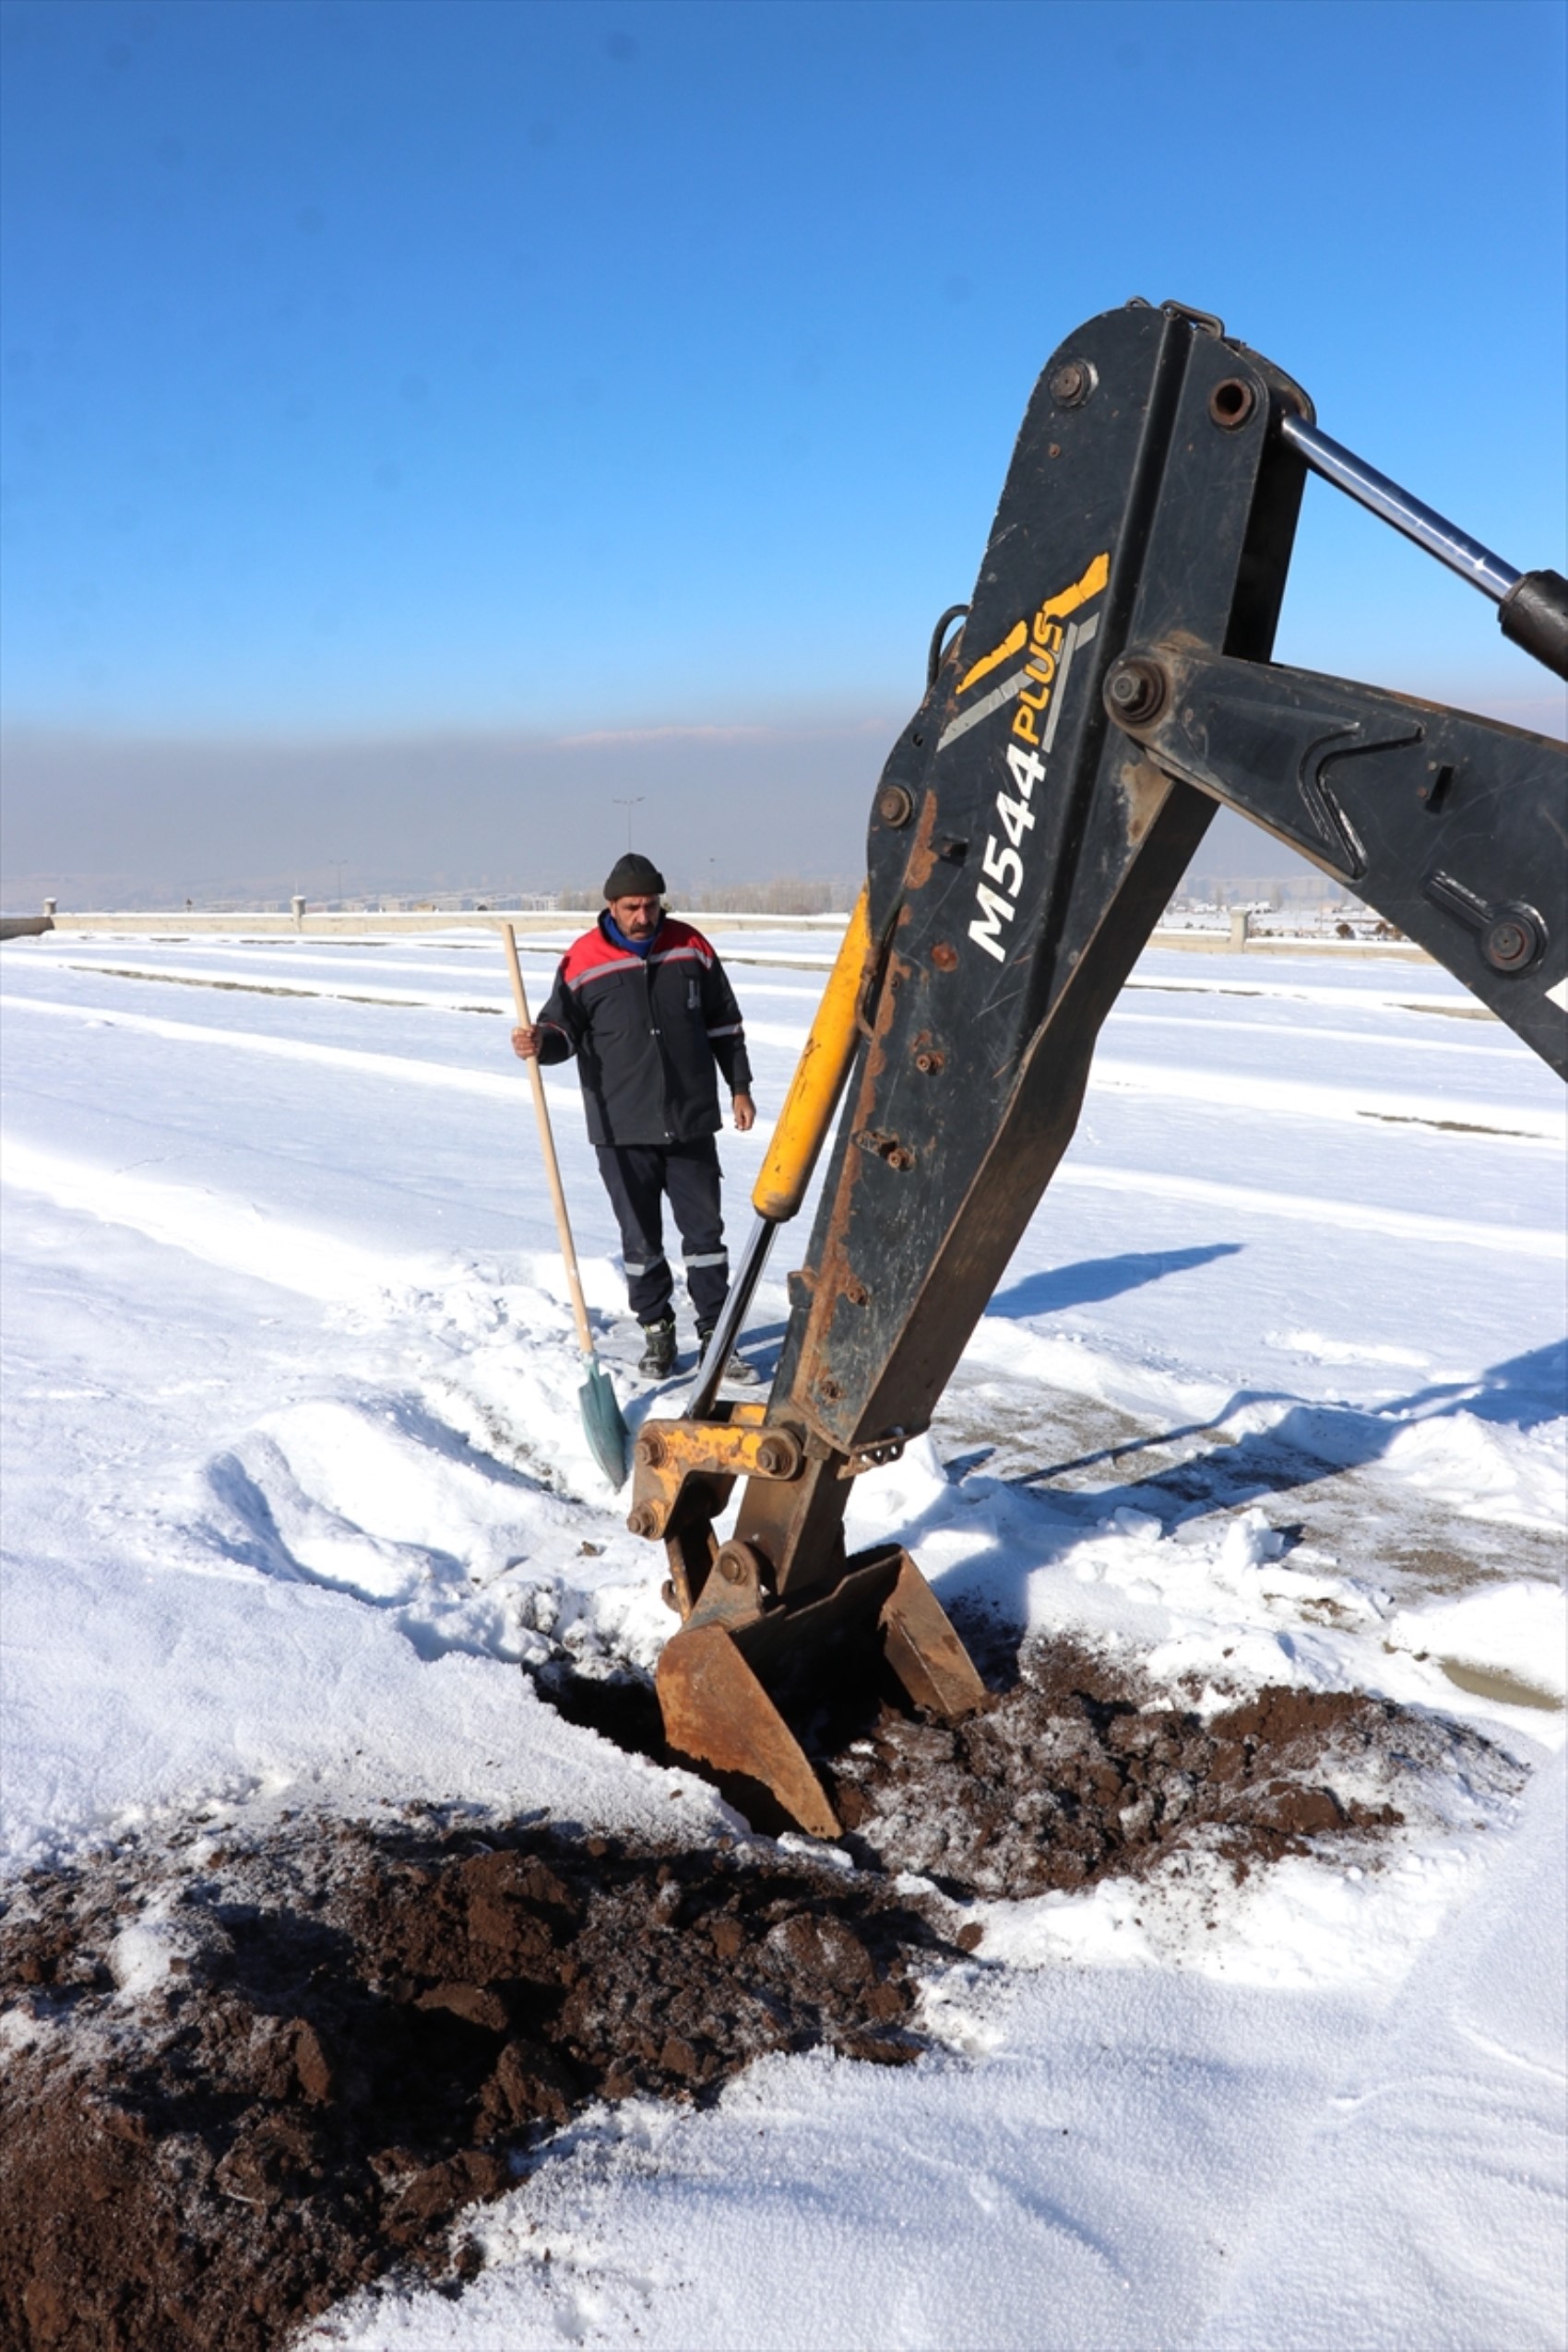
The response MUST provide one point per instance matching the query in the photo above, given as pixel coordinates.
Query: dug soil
(242, 2080)
(1078, 1773)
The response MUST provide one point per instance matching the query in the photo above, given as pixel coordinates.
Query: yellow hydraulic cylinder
(818, 1081)
(797, 1138)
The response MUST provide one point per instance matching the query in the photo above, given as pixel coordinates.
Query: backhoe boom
(1110, 686)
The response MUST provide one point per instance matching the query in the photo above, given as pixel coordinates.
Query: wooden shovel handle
(547, 1145)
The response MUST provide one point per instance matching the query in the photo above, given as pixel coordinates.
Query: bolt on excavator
(1109, 687)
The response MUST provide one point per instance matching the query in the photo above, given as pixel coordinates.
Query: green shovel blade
(603, 1424)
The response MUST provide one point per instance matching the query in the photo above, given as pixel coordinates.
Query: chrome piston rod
(1423, 524)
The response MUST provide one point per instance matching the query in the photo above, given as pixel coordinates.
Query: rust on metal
(1071, 384)
(923, 853)
(1136, 691)
(1232, 403)
(873, 1456)
(776, 1610)
(682, 1474)
(717, 1713)
(738, 1446)
(923, 1649)
(1144, 791)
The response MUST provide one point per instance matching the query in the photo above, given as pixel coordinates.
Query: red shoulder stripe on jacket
(590, 954)
(678, 939)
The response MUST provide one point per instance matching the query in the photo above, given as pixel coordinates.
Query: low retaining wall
(347, 923)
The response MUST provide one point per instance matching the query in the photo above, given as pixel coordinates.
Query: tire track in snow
(1387, 1040)
(1301, 1208)
(1356, 1216)
(405, 1069)
(429, 1001)
(300, 1049)
(222, 1229)
(271, 977)
(1376, 1000)
(1205, 1089)
(1301, 1099)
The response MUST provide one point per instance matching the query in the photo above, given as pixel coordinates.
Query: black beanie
(633, 876)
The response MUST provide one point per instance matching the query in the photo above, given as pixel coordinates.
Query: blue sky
(385, 368)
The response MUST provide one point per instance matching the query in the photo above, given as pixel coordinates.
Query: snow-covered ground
(1273, 1391)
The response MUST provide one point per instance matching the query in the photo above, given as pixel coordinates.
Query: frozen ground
(1272, 1392)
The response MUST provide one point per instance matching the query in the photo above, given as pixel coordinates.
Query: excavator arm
(1111, 686)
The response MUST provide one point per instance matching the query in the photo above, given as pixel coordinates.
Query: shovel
(603, 1425)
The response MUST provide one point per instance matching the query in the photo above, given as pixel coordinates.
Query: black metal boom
(1111, 684)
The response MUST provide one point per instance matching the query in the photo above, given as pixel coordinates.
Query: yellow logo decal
(1059, 607)
(1056, 607)
(1012, 643)
(1047, 647)
(1052, 650)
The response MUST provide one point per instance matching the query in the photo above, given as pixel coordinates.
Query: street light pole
(634, 803)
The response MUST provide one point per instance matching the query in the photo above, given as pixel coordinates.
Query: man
(644, 1003)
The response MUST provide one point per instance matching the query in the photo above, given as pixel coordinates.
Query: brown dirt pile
(239, 2084)
(358, 2034)
(1077, 1772)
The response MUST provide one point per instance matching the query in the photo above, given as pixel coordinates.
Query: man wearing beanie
(644, 1003)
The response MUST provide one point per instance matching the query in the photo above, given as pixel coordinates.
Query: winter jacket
(647, 1031)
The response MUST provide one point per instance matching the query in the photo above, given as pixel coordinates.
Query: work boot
(658, 1358)
(737, 1368)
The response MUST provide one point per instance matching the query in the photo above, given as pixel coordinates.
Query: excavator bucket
(725, 1682)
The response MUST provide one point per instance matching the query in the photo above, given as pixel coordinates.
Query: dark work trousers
(637, 1178)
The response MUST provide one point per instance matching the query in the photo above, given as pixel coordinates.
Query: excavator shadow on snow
(1088, 1280)
(1320, 1453)
(1079, 1285)
(1313, 1441)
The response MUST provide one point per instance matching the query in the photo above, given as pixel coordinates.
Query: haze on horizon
(436, 435)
